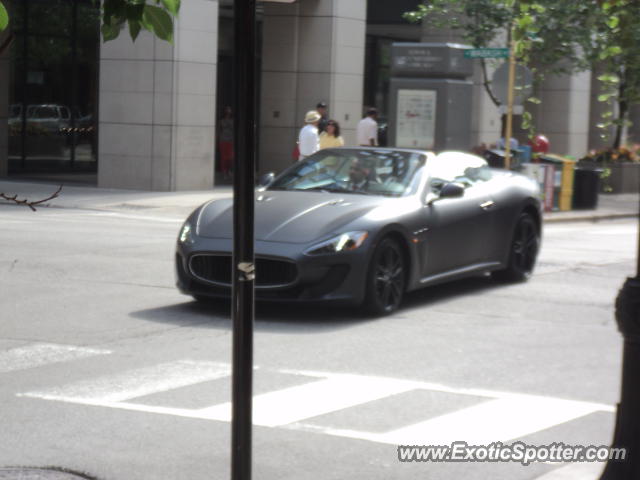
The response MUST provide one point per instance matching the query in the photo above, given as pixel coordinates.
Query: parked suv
(51, 117)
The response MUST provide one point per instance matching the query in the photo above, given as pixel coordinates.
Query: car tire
(523, 251)
(386, 279)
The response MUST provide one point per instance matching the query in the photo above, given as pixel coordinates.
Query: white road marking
(502, 416)
(301, 402)
(136, 383)
(36, 355)
(496, 420)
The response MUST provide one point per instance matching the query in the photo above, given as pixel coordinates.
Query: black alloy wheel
(385, 279)
(523, 251)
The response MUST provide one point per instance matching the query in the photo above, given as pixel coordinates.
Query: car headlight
(186, 234)
(341, 243)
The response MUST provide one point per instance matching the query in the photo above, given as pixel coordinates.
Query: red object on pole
(539, 144)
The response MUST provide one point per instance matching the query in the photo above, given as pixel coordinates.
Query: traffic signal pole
(510, 87)
(245, 44)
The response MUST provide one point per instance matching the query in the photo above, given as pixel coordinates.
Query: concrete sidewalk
(173, 204)
(180, 204)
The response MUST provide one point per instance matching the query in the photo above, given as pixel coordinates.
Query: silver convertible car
(365, 225)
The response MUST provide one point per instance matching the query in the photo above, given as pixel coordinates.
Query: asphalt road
(105, 368)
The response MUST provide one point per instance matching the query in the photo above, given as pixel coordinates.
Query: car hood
(290, 217)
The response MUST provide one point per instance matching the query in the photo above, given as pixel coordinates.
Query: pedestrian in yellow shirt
(331, 136)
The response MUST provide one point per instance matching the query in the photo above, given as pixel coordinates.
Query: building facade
(143, 115)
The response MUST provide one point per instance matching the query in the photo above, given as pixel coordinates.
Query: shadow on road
(431, 296)
(301, 318)
(273, 318)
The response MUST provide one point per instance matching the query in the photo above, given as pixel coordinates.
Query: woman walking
(331, 136)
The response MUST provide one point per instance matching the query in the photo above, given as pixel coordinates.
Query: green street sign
(486, 53)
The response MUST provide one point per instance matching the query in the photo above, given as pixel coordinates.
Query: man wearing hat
(321, 107)
(309, 139)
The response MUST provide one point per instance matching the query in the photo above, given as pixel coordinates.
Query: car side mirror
(266, 179)
(452, 190)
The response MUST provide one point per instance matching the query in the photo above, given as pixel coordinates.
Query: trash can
(495, 158)
(563, 185)
(586, 186)
(545, 175)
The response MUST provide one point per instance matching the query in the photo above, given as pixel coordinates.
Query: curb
(589, 218)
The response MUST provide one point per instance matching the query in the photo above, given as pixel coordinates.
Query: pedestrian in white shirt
(367, 129)
(309, 140)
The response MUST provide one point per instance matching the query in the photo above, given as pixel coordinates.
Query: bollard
(627, 431)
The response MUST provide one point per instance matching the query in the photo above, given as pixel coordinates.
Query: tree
(545, 30)
(553, 37)
(152, 15)
(618, 38)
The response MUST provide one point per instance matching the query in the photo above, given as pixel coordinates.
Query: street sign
(486, 53)
(523, 84)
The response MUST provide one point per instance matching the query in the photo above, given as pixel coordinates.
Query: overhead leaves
(172, 6)
(4, 17)
(134, 30)
(558, 36)
(155, 16)
(158, 21)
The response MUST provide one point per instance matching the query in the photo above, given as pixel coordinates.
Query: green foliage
(156, 16)
(556, 37)
(617, 38)
(4, 17)
(152, 15)
(553, 34)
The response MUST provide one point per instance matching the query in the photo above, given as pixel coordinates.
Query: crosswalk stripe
(502, 416)
(136, 383)
(491, 421)
(309, 400)
(39, 354)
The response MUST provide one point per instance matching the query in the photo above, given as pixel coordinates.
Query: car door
(457, 228)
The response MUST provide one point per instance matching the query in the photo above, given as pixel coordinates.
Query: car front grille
(217, 269)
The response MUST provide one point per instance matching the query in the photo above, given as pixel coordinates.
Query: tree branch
(487, 84)
(30, 204)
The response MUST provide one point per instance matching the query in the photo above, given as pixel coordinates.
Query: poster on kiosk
(416, 119)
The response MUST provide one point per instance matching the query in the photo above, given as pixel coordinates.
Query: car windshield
(368, 172)
(43, 112)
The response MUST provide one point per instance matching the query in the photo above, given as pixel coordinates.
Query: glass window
(372, 172)
(54, 86)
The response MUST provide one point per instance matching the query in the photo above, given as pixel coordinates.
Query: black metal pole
(72, 135)
(243, 234)
(638, 256)
(627, 431)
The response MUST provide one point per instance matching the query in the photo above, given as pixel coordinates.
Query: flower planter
(624, 178)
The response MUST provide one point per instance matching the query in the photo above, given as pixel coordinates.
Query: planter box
(624, 178)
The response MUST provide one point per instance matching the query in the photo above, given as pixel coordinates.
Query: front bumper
(338, 278)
